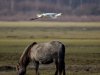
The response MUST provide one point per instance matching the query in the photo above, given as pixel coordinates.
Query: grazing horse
(43, 53)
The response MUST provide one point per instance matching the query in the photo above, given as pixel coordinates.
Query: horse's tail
(62, 52)
(63, 49)
(63, 66)
(61, 60)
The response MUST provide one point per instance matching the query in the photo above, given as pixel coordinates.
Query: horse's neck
(24, 61)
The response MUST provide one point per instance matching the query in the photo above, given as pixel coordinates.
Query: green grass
(50, 24)
(59, 30)
(82, 41)
(73, 45)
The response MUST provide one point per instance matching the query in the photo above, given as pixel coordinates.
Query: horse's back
(45, 52)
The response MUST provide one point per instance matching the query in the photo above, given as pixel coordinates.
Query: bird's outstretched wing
(55, 15)
(59, 14)
(51, 15)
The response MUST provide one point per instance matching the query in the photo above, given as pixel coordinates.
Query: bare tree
(58, 3)
(81, 3)
(37, 5)
(70, 3)
(12, 3)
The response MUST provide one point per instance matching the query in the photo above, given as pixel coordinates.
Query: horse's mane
(24, 55)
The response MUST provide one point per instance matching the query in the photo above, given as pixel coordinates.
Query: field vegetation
(82, 41)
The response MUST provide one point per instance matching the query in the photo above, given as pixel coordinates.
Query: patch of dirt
(84, 68)
(72, 68)
(7, 68)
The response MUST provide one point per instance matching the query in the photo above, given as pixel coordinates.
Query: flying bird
(51, 15)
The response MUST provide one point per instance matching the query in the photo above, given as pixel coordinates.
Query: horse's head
(24, 60)
(20, 69)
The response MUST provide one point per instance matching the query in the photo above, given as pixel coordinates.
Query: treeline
(70, 7)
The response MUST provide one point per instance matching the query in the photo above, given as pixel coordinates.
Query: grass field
(82, 41)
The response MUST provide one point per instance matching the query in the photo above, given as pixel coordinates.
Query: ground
(82, 41)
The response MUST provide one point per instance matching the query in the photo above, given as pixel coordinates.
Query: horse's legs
(37, 68)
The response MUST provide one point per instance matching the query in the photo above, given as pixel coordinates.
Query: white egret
(51, 15)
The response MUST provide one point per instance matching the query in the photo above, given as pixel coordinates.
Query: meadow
(82, 41)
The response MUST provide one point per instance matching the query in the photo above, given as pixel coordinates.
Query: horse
(43, 53)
